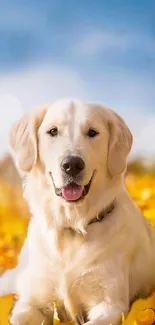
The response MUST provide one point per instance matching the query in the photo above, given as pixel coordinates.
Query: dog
(89, 249)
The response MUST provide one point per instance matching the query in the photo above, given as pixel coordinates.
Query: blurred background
(98, 50)
(101, 51)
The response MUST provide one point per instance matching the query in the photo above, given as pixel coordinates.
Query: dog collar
(104, 213)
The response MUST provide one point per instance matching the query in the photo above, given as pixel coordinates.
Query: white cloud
(110, 40)
(142, 126)
(144, 144)
(99, 40)
(125, 90)
(26, 89)
(22, 91)
(38, 85)
(10, 110)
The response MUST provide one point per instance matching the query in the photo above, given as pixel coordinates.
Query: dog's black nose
(72, 165)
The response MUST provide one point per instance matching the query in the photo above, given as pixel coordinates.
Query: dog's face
(73, 142)
(78, 144)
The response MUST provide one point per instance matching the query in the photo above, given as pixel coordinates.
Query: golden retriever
(89, 249)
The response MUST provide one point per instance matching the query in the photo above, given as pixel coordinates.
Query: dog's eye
(53, 132)
(92, 133)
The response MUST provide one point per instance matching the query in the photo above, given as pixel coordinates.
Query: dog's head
(77, 145)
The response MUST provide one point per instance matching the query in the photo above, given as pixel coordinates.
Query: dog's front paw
(19, 319)
(24, 314)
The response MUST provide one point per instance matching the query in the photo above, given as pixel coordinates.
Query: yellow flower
(146, 317)
(14, 218)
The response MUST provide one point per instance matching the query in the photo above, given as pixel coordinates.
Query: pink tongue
(72, 193)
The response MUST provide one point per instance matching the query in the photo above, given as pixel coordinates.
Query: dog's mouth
(73, 192)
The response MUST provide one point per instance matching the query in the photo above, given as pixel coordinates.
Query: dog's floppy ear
(23, 139)
(120, 143)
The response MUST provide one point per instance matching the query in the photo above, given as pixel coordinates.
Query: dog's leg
(37, 293)
(25, 314)
(107, 313)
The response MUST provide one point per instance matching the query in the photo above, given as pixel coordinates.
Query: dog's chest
(73, 251)
(69, 246)
(82, 264)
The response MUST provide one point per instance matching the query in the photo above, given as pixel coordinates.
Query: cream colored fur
(92, 272)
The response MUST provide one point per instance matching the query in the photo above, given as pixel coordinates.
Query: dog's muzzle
(73, 192)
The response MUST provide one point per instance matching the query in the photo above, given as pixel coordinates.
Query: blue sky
(96, 50)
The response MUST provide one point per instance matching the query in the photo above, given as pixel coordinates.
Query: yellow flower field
(14, 218)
